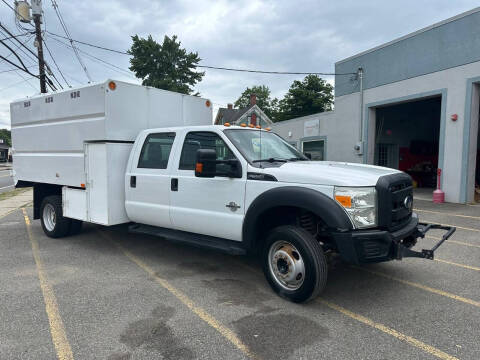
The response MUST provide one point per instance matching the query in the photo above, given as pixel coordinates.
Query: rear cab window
(156, 151)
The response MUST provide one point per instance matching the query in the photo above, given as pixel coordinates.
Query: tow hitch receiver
(422, 229)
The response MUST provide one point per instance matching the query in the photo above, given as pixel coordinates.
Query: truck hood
(329, 173)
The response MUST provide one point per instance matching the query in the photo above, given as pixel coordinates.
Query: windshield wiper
(297, 159)
(271, 160)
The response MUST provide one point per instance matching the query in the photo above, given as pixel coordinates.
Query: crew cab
(237, 189)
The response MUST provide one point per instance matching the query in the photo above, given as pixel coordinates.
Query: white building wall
(341, 126)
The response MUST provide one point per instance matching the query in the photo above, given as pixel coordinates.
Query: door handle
(174, 184)
(133, 181)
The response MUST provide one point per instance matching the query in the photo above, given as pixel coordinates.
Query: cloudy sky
(298, 36)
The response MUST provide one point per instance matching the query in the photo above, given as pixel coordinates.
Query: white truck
(114, 153)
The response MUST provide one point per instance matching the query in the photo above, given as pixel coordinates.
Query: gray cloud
(270, 35)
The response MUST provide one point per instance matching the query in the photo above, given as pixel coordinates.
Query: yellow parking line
(448, 214)
(396, 334)
(463, 228)
(423, 287)
(201, 313)
(57, 329)
(453, 241)
(470, 267)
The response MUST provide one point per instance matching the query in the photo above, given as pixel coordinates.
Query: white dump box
(81, 139)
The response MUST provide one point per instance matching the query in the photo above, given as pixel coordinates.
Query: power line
(15, 84)
(15, 36)
(92, 45)
(58, 68)
(17, 66)
(271, 72)
(21, 44)
(217, 67)
(10, 70)
(105, 63)
(65, 29)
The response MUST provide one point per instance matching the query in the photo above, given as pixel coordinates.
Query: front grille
(392, 190)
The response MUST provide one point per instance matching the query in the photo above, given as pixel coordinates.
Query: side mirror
(208, 166)
(206, 163)
(308, 155)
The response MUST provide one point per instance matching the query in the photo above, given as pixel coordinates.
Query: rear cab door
(147, 180)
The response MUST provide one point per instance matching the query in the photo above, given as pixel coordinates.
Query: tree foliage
(264, 101)
(6, 135)
(165, 66)
(310, 96)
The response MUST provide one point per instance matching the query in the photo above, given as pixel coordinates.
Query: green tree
(165, 66)
(264, 101)
(6, 135)
(310, 96)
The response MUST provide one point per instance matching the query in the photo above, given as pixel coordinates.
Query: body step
(198, 240)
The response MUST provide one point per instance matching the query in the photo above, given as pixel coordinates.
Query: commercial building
(4, 148)
(410, 104)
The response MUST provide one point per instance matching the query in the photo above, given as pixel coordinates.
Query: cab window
(203, 140)
(156, 151)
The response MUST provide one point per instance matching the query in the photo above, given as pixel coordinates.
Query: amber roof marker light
(208, 103)
(112, 86)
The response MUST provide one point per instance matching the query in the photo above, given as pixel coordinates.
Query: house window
(316, 148)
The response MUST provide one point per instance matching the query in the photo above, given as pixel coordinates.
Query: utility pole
(37, 19)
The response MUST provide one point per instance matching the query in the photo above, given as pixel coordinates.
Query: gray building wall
(414, 55)
(441, 60)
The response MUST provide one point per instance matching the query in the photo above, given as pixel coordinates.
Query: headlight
(359, 203)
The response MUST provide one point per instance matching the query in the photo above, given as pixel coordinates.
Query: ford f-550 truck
(114, 153)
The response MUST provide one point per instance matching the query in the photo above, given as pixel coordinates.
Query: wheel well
(287, 215)
(40, 191)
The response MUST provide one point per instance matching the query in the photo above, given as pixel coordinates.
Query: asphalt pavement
(6, 180)
(108, 294)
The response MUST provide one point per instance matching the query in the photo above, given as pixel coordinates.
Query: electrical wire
(15, 84)
(15, 36)
(103, 62)
(4, 29)
(10, 70)
(17, 66)
(217, 67)
(65, 29)
(58, 68)
(16, 55)
(26, 79)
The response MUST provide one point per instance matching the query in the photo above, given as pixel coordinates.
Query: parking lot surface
(6, 180)
(108, 294)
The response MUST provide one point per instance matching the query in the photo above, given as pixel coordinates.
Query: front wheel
(294, 263)
(53, 223)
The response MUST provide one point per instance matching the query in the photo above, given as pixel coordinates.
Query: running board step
(197, 240)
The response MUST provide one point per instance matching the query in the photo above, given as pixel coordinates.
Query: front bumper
(375, 245)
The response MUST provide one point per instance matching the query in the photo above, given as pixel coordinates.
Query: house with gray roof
(250, 115)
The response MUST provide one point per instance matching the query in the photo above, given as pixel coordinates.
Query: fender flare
(296, 196)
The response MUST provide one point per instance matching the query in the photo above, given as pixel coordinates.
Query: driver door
(208, 206)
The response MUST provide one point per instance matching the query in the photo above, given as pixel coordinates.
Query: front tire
(53, 223)
(294, 263)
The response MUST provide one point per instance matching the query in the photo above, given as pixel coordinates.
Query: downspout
(360, 133)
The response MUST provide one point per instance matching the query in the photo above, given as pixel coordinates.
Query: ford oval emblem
(408, 203)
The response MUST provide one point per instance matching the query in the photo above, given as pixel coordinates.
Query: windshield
(258, 146)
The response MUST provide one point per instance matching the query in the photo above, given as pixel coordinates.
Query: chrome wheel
(286, 265)
(49, 217)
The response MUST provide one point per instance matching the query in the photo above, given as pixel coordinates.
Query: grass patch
(9, 194)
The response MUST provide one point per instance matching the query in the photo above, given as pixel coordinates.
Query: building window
(316, 148)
